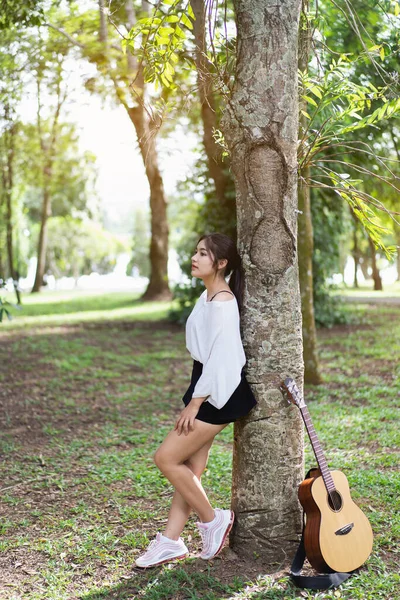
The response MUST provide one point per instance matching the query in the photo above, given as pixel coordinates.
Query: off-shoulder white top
(213, 338)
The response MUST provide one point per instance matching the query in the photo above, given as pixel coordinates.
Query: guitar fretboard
(319, 454)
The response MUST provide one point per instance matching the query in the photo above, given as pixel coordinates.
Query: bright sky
(107, 131)
(122, 182)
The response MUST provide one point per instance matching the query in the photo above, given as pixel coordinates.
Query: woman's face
(202, 262)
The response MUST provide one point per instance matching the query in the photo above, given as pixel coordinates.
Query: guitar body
(339, 540)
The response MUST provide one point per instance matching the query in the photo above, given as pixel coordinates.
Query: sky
(122, 184)
(106, 130)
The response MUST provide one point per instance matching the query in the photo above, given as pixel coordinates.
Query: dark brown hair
(223, 248)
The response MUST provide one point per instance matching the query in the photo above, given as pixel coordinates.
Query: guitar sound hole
(335, 500)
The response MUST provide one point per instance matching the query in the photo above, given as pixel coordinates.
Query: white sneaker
(162, 550)
(215, 533)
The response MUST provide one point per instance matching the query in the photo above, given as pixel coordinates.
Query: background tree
(305, 228)
(123, 75)
(140, 243)
(49, 74)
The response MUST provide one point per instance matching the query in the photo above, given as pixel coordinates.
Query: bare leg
(180, 509)
(170, 459)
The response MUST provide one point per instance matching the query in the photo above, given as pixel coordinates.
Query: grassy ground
(366, 290)
(90, 385)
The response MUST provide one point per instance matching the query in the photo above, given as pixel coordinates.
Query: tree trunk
(356, 251)
(398, 252)
(305, 251)
(364, 264)
(356, 258)
(8, 177)
(375, 271)
(158, 288)
(305, 232)
(42, 247)
(261, 126)
(207, 103)
(146, 131)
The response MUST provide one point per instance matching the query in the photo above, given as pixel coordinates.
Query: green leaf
(186, 21)
(190, 12)
(303, 112)
(169, 69)
(382, 53)
(161, 41)
(179, 32)
(174, 57)
(396, 9)
(166, 31)
(316, 91)
(164, 80)
(310, 100)
(172, 19)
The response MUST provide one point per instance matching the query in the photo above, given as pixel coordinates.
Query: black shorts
(239, 404)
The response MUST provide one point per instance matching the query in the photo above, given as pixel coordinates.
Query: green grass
(91, 384)
(367, 289)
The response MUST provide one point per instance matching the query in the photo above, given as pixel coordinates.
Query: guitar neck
(319, 454)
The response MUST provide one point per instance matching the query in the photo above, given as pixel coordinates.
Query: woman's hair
(222, 247)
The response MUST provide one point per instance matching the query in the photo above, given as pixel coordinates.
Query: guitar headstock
(293, 392)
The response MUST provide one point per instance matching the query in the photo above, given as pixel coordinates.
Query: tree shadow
(193, 579)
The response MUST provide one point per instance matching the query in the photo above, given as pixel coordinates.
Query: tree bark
(208, 106)
(356, 250)
(8, 182)
(157, 288)
(375, 271)
(356, 258)
(305, 251)
(261, 127)
(42, 247)
(305, 230)
(397, 233)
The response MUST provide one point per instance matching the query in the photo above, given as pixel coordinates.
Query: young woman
(218, 394)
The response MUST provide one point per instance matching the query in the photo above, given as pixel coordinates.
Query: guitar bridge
(345, 529)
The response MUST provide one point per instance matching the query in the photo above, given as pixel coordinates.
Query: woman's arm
(185, 421)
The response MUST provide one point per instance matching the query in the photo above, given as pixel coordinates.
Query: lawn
(90, 385)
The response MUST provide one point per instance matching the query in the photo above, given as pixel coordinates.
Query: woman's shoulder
(224, 299)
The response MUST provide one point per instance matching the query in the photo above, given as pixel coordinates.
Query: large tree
(260, 125)
(122, 75)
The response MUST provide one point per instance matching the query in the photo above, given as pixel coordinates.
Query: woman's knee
(163, 460)
(158, 458)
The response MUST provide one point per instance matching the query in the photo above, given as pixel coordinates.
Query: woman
(218, 394)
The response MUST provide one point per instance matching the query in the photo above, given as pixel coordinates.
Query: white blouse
(213, 338)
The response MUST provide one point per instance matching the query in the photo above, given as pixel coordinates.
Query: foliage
(140, 245)
(329, 227)
(74, 173)
(22, 13)
(80, 247)
(158, 39)
(337, 107)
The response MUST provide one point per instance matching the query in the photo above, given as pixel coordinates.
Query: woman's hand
(185, 422)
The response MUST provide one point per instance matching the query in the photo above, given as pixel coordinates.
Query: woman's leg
(180, 509)
(170, 459)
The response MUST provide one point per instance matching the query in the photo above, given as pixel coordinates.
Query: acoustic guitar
(337, 534)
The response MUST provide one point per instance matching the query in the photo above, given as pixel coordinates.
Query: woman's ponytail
(236, 281)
